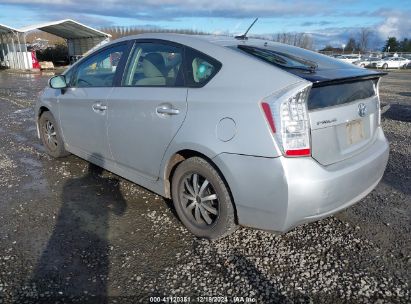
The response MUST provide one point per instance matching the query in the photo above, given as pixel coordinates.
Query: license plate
(355, 132)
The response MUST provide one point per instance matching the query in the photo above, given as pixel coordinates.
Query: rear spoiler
(326, 77)
(348, 79)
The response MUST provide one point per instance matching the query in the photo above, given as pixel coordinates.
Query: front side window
(68, 75)
(154, 64)
(201, 68)
(99, 70)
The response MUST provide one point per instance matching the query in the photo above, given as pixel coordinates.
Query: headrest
(153, 65)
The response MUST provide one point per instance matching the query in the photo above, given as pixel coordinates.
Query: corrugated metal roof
(4, 29)
(67, 28)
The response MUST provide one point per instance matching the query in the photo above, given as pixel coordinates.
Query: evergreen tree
(393, 44)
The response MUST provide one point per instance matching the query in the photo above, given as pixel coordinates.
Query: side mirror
(58, 82)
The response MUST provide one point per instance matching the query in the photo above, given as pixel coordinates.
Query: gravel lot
(70, 233)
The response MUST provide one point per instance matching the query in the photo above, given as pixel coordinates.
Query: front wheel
(202, 199)
(50, 136)
(385, 66)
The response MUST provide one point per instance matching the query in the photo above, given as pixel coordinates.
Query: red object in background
(36, 64)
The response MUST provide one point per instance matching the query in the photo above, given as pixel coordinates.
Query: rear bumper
(277, 194)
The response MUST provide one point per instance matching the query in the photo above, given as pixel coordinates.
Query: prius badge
(362, 110)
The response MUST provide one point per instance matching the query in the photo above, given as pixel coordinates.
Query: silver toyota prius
(235, 131)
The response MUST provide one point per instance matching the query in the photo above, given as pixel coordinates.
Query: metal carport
(80, 38)
(13, 50)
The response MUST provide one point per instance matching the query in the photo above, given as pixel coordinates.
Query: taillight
(288, 110)
(377, 93)
(268, 115)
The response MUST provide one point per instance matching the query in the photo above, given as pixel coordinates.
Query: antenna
(244, 36)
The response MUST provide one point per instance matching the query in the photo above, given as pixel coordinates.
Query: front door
(83, 106)
(146, 112)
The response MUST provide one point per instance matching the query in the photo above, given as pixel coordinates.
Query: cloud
(172, 9)
(320, 23)
(396, 24)
(340, 19)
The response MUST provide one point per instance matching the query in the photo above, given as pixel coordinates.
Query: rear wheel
(50, 136)
(202, 199)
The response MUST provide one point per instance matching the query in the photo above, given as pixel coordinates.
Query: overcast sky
(328, 21)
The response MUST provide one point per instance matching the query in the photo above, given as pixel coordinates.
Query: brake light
(301, 152)
(289, 110)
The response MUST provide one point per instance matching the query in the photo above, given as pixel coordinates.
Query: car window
(280, 59)
(154, 64)
(68, 75)
(99, 70)
(200, 69)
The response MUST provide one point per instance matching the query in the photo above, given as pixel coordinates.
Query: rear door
(83, 106)
(146, 111)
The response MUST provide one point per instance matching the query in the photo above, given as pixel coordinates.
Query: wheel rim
(50, 135)
(199, 200)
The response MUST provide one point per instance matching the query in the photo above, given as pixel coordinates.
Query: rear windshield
(333, 95)
(279, 58)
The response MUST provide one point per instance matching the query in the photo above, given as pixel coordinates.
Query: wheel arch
(41, 110)
(179, 157)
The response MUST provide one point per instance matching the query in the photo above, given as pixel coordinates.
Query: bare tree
(364, 39)
(302, 40)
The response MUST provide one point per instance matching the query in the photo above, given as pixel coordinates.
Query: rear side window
(200, 68)
(154, 64)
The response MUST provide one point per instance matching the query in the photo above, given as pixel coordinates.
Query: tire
(385, 66)
(50, 136)
(211, 218)
(362, 65)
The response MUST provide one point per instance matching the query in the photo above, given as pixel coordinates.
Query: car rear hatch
(343, 103)
(344, 116)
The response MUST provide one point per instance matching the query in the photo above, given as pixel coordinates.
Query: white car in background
(349, 58)
(367, 62)
(393, 62)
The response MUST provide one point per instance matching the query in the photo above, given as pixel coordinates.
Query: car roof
(218, 40)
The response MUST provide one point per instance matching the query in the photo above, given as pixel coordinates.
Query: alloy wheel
(199, 200)
(50, 135)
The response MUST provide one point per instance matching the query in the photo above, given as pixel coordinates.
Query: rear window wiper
(280, 59)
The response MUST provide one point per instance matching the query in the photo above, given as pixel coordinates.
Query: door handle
(98, 107)
(167, 111)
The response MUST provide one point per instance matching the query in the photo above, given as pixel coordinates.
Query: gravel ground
(72, 233)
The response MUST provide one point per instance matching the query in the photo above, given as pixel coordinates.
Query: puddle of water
(19, 138)
(49, 73)
(25, 110)
(31, 162)
(33, 168)
(38, 184)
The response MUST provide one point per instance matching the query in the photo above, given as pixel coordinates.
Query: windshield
(278, 58)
